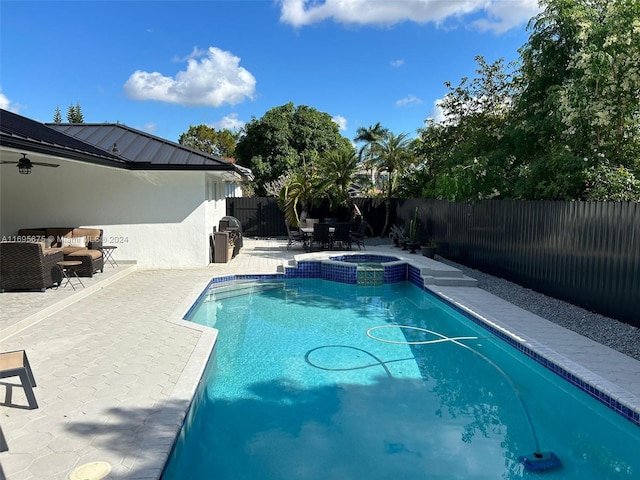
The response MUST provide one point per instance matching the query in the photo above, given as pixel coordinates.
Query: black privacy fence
(587, 253)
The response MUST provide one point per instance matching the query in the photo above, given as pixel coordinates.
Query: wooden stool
(16, 364)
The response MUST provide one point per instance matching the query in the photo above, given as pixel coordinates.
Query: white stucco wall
(158, 219)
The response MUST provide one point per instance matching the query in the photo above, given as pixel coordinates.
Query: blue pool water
(320, 380)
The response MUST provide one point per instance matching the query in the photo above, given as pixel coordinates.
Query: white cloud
(341, 121)
(397, 63)
(4, 101)
(229, 122)
(7, 104)
(500, 14)
(408, 100)
(437, 114)
(150, 127)
(503, 15)
(212, 78)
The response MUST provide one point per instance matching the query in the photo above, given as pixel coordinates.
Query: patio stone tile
(28, 443)
(71, 443)
(17, 463)
(54, 464)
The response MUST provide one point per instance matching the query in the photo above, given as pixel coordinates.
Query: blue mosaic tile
(338, 273)
(395, 273)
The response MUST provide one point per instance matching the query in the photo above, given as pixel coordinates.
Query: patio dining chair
(295, 235)
(16, 364)
(357, 237)
(342, 235)
(321, 235)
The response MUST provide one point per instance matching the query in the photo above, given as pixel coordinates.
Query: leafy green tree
(607, 183)
(206, 139)
(600, 101)
(74, 114)
(285, 138)
(568, 116)
(57, 116)
(579, 98)
(470, 155)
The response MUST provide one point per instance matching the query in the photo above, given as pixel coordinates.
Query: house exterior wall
(158, 219)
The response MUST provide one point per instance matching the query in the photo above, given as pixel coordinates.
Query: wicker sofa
(26, 266)
(63, 238)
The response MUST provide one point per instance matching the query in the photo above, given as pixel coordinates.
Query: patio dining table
(307, 236)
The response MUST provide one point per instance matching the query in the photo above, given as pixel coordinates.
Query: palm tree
(391, 154)
(369, 136)
(303, 189)
(338, 167)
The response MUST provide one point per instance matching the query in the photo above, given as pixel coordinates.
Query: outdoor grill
(234, 227)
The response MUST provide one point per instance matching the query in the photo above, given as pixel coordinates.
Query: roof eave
(59, 151)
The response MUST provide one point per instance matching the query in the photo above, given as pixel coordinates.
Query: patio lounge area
(116, 366)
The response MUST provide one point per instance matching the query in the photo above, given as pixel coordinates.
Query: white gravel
(607, 331)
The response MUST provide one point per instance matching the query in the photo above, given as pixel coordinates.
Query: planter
(429, 252)
(413, 247)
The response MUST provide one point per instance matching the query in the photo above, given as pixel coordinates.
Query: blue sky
(161, 66)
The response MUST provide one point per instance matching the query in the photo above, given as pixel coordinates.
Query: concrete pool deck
(116, 366)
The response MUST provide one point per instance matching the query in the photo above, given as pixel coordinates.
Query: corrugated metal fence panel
(587, 253)
(260, 216)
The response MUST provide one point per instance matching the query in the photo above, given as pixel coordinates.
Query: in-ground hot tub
(373, 270)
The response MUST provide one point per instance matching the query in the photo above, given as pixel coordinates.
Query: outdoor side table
(68, 268)
(107, 252)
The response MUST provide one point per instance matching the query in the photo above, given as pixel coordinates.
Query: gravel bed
(607, 331)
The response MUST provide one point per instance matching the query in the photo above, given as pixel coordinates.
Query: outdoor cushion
(57, 234)
(83, 252)
(92, 234)
(70, 249)
(74, 242)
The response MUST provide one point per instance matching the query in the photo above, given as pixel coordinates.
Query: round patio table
(68, 269)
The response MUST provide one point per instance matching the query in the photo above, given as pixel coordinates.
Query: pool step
(450, 281)
(239, 288)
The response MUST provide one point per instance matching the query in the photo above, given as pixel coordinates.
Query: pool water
(313, 379)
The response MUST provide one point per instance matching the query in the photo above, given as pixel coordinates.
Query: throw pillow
(74, 242)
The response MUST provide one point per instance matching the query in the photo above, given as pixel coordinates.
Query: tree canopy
(209, 140)
(286, 138)
(560, 125)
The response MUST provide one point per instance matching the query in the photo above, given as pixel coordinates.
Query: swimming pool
(315, 379)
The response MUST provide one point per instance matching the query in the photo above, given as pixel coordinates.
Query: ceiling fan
(25, 165)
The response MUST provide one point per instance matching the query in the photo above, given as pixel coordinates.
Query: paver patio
(116, 366)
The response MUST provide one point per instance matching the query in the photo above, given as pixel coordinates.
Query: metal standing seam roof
(144, 150)
(94, 143)
(19, 132)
